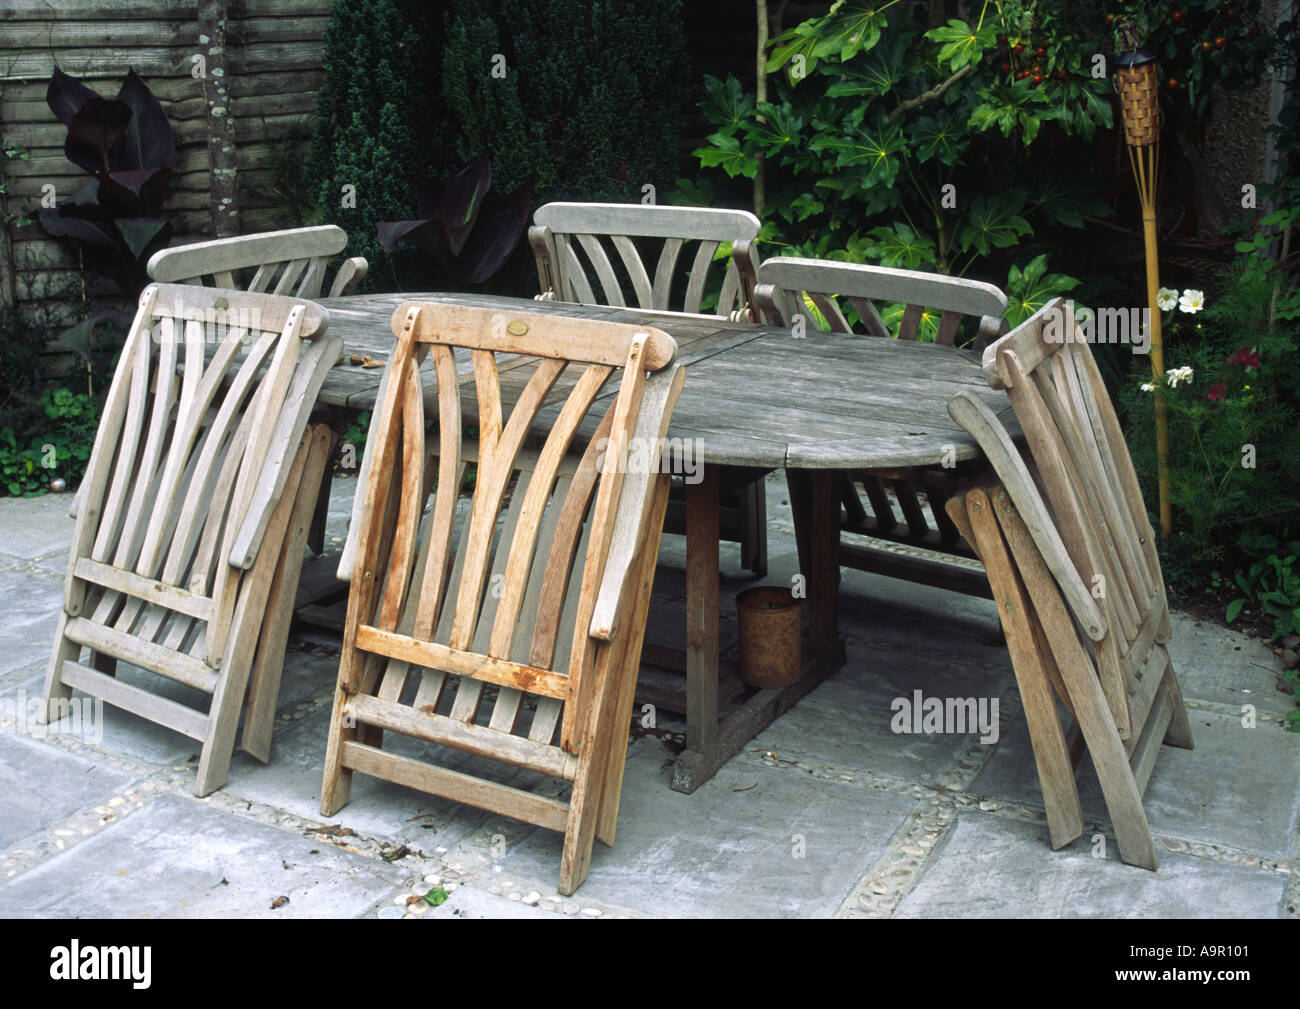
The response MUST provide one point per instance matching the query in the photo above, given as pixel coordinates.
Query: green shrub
(59, 449)
(1232, 405)
(589, 107)
(371, 117)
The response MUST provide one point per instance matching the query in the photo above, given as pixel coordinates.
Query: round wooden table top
(754, 395)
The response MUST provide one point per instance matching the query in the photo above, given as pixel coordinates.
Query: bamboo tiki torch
(1137, 83)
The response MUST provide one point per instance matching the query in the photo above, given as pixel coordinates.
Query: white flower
(1192, 301)
(1166, 298)
(1183, 374)
(1148, 387)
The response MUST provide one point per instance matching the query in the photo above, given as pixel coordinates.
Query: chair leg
(240, 649)
(595, 742)
(628, 669)
(1109, 758)
(1051, 754)
(264, 686)
(336, 787)
(55, 688)
(320, 509)
(1179, 732)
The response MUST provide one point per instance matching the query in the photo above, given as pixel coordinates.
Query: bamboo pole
(1137, 89)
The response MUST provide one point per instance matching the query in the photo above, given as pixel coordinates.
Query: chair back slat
(289, 263)
(632, 230)
(865, 287)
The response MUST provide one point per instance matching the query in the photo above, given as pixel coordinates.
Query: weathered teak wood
(1085, 550)
(197, 494)
(575, 242)
(756, 398)
(813, 294)
(290, 263)
(540, 596)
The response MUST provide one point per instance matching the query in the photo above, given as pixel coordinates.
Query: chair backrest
(572, 243)
(932, 302)
(200, 426)
(1089, 522)
(290, 263)
(538, 574)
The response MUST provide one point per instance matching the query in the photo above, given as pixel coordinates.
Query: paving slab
(992, 867)
(41, 785)
(1238, 787)
(848, 720)
(36, 526)
(754, 841)
(122, 732)
(32, 603)
(180, 858)
(1223, 666)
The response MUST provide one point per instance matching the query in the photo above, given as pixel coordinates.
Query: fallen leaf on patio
(746, 788)
(334, 830)
(356, 359)
(394, 854)
(279, 901)
(436, 896)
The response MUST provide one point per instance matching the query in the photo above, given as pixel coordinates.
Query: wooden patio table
(757, 398)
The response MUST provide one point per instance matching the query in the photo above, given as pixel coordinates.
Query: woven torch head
(1137, 86)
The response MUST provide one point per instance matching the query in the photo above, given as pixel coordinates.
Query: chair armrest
(631, 520)
(767, 300)
(350, 274)
(745, 255)
(314, 364)
(548, 278)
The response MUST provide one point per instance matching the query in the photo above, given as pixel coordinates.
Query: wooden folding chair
(194, 511)
(290, 262)
(1076, 575)
(540, 597)
(819, 291)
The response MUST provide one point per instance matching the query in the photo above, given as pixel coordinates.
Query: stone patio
(827, 813)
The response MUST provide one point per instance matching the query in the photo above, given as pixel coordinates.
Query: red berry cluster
(1021, 61)
(1213, 35)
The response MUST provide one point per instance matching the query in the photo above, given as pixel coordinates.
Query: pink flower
(1248, 359)
(1216, 392)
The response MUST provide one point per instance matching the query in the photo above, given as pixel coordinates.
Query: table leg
(702, 507)
(710, 743)
(824, 565)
